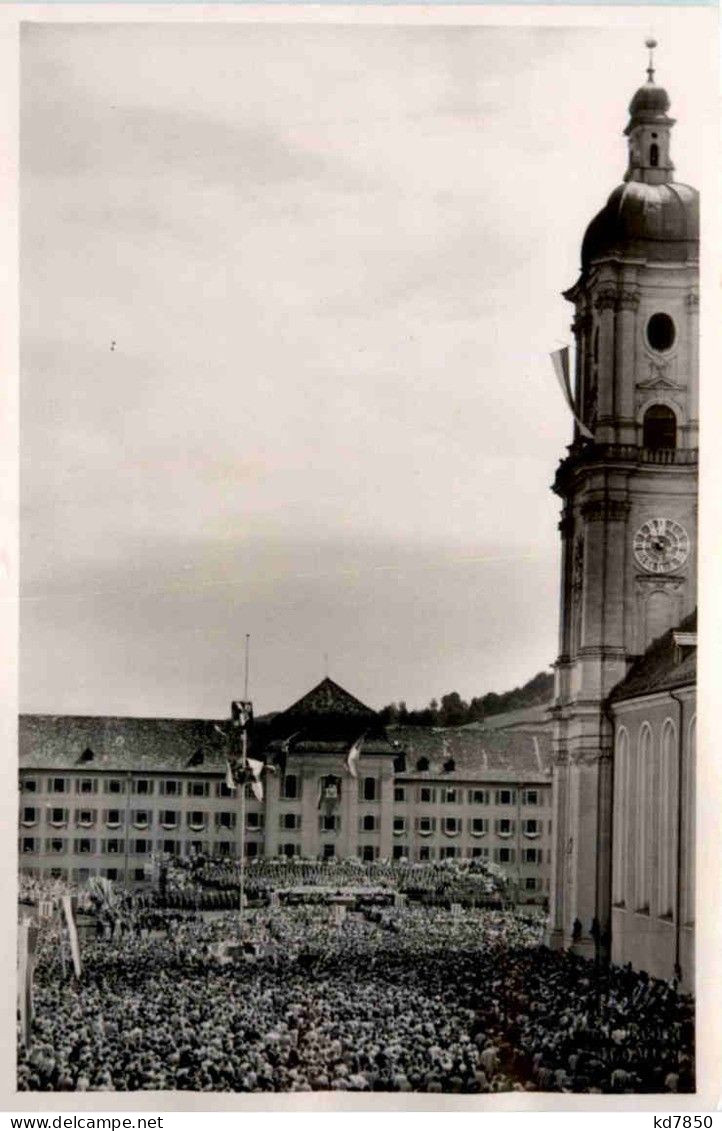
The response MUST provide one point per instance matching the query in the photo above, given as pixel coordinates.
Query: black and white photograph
(359, 405)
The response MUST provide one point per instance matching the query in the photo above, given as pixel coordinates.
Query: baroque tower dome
(650, 217)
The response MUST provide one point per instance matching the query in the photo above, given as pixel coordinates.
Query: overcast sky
(287, 299)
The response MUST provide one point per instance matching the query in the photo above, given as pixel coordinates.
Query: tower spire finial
(650, 44)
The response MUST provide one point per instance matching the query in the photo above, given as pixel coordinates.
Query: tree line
(453, 711)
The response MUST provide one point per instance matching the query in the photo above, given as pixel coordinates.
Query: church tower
(629, 493)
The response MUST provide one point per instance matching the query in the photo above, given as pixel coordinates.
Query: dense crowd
(406, 999)
(206, 883)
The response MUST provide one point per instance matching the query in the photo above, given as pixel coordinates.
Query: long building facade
(105, 796)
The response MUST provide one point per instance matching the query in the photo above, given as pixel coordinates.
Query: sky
(287, 298)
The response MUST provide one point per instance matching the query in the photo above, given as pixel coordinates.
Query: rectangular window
(114, 785)
(114, 818)
(425, 825)
(196, 819)
(169, 818)
(254, 820)
(399, 825)
(56, 785)
(400, 852)
(80, 875)
(171, 787)
(290, 849)
(85, 818)
(139, 875)
(28, 844)
(141, 847)
(505, 855)
(531, 855)
(141, 818)
(110, 873)
(368, 823)
(329, 851)
(84, 845)
(449, 851)
(226, 820)
(290, 821)
(530, 883)
(113, 847)
(479, 853)
(58, 816)
(253, 849)
(225, 848)
(86, 785)
(29, 785)
(427, 795)
(531, 797)
(451, 826)
(478, 797)
(531, 827)
(143, 787)
(426, 852)
(368, 789)
(29, 815)
(504, 826)
(171, 847)
(478, 826)
(55, 844)
(506, 797)
(289, 788)
(399, 793)
(328, 823)
(449, 796)
(369, 853)
(197, 789)
(223, 791)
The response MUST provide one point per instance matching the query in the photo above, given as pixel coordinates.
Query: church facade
(628, 486)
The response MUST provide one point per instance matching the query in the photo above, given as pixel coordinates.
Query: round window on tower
(660, 332)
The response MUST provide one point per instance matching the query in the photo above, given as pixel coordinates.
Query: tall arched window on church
(689, 828)
(654, 155)
(667, 820)
(642, 861)
(659, 428)
(620, 826)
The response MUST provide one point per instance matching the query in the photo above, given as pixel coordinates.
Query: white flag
(72, 934)
(353, 757)
(256, 769)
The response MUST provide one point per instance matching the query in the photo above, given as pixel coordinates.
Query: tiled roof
(117, 744)
(477, 754)
(661, 668)
(534, 719)
(328, 714)
(329, 698)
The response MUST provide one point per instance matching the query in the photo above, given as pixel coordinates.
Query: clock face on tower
(661, 545)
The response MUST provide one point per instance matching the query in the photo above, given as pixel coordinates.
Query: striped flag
(230, 783)
(72, 934)
(353, 757)
(560, 361)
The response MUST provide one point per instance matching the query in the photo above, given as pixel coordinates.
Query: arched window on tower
(659, 428)
(620, 822)
(654, 155)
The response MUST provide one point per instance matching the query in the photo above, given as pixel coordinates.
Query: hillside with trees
(453, 711)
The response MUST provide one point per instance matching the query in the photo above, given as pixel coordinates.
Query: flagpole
(241, 908)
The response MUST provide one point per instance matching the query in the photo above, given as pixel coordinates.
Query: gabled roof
(88, 742)
(329, 698)
(661, 668)
(477, 754)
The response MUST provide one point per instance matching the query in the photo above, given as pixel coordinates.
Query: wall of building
(653, 877)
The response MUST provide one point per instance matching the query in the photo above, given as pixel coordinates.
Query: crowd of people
(207, 883)
(409, 998)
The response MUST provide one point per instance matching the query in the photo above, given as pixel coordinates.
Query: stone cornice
(605, 510)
